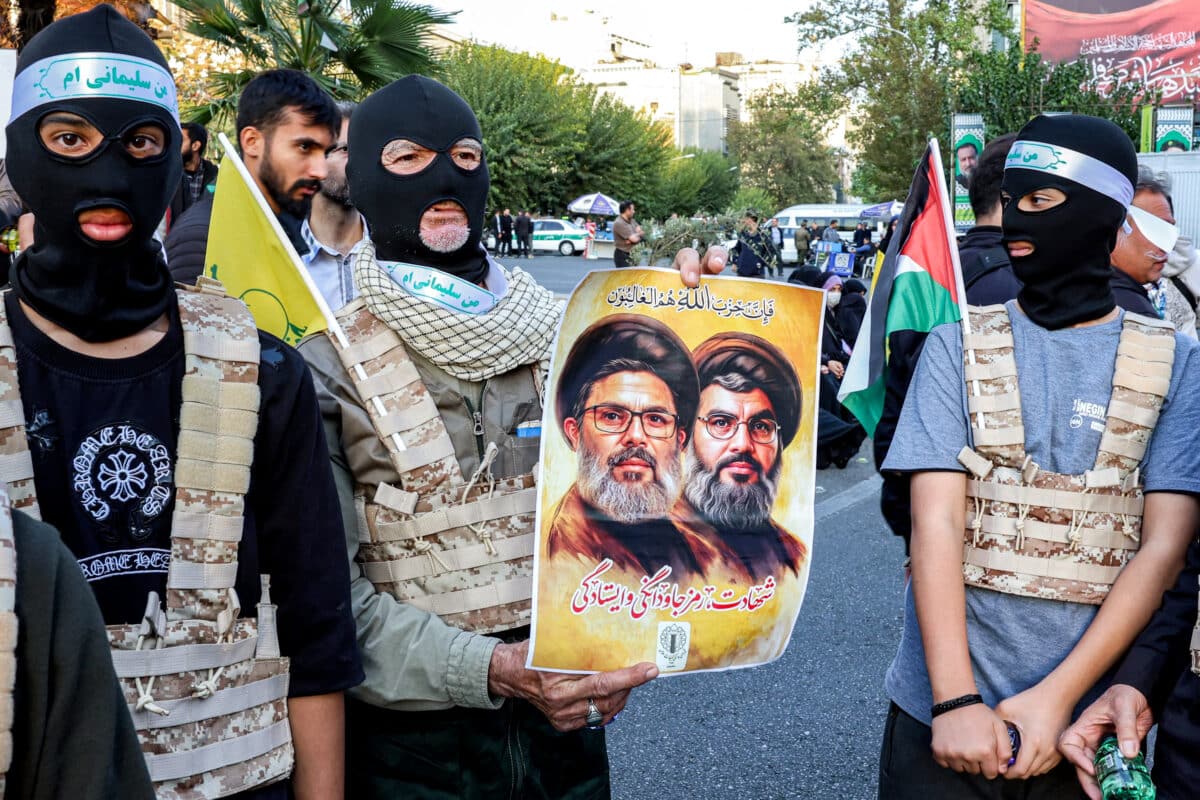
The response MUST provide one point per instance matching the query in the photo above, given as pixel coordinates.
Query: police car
(558, 234)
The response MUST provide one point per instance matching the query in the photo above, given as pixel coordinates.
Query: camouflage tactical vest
(459, 548)
(207, 688)
(8, 634)
(1036, 533)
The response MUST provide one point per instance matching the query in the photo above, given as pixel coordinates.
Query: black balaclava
(426, 112)
(97, 291)
(1066, 278)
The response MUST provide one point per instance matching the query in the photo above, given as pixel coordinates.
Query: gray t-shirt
(1065, 378)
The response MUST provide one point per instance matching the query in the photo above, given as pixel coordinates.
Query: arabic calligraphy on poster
(1149, 43)
(675, 495)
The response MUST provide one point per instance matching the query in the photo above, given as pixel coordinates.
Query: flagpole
(331, 321)
(959, 287)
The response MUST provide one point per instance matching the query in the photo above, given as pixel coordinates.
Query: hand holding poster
(675, 499)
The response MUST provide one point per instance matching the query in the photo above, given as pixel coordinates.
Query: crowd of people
(247, 519)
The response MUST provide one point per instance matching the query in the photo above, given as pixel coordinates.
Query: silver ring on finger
(594, 719)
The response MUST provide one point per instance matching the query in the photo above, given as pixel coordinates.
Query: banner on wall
(1150, 43)
(967, 137)
(675, 507)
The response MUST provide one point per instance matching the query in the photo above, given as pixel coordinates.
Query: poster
(1150, 43)
(968, 144)
(1173, 129)
(675, 511)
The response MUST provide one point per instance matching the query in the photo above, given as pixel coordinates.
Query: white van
(848, 216)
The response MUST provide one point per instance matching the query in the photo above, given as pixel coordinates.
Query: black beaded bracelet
(958, 702)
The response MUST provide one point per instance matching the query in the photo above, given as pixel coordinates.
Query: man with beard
(286, 124)
(1048, 515)
(626, 404)
(177, 450)
(440, 507)
(748, 414)
(334, 229)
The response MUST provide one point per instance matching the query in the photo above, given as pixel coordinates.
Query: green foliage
(902, 70)
(377, 41)
(675, 234)
(751, 198)
(533, 131)
(781, 152)
(1010, 88)
(623, 153)
(720, 181)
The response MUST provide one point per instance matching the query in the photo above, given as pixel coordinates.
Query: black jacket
(989, 280)
(1159, 666)
(523, 225)
(1131, 295)
(987, 272)
(188, 240)
(850, 313)
(182, 200)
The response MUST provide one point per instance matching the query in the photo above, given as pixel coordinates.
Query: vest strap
(1000, 437)
(210, 477)
(191, 575)
(372, 348)
(225, 701)
(460, 558)
(16, 466)
(232, 450)
(218, 421)
(223, 394)
(464, 600)
(190, 525)
(1003, 367)
(458, 516)
(393, 380)
(1138, 415)
(220, 347)
(181, 764)
(395, 499)
(181, 658)
(424, 410)
(1036, 530)
(1056, 568)
(1054, 498)
(986, 341)
(1009, 401)
(422, 455)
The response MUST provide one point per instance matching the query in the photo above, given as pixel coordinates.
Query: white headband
(1157, 231)
(1078, 167)
(74, 76)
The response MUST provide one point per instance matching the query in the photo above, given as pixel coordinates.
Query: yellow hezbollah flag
(249, 253)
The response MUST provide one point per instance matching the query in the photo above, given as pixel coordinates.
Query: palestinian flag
(918, 287)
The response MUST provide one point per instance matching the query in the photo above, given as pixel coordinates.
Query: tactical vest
(8, 635)
(1037, 533)
(207, 688)
(459, 548)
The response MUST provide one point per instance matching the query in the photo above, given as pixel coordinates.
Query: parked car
(558, 234)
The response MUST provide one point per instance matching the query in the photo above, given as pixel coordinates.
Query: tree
(350, 47)
(782, 150)
(624, 153)
(902, 71)
(720, 181)
(1010, 88)
(532, 131)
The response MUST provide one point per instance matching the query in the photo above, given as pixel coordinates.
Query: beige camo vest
(206, 687)
(459, 548)
(1036, 533)
(8, 634)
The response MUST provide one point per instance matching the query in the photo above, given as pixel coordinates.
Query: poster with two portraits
(675, 507)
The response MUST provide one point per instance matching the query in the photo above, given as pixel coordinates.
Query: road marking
(863, 490)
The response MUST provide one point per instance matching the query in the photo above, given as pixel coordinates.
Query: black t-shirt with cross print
(103, 435)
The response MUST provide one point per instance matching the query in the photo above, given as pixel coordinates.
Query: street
(808, 725)
(560, 274)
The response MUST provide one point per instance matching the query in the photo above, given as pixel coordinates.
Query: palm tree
(350, 47)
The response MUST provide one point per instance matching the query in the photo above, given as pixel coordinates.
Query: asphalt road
(807, 725)
(560, 274)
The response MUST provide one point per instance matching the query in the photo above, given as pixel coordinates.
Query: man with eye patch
(748, 413)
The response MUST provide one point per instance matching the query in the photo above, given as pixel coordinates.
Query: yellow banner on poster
(249, 253)
(675, 507)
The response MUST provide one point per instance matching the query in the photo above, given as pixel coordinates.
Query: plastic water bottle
(1122, 778)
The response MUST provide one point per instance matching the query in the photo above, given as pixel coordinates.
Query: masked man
(436, 404)
(626, 400)
(1048, 514)
(133, 419)
(749, 412)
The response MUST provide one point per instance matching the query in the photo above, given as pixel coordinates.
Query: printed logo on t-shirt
(125, 562)
(1092, 413)
(122, 479)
